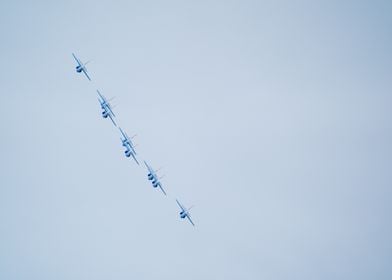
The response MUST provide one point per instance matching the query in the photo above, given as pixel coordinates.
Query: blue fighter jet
(185, 212)
(81, 66)
(106, 108)
(153, 177)
(129, 146)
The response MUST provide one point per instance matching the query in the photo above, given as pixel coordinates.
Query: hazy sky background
(272, 117)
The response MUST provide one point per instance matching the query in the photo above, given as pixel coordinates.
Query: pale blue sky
(272, 117)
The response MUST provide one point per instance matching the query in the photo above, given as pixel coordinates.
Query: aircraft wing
(189, 218)
(149, 168)
(131, 146)
(110, 116)
(77, 60)
(102, 97)
(161, 188)
(109, 108)
(135, 158)
(123, 134)
(179, 204)
(85, 73)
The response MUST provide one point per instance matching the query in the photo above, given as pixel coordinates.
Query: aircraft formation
(107, 111)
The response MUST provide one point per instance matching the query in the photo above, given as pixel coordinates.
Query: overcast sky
(272, 117)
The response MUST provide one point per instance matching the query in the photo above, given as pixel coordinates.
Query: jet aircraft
(153, 177)
(129, 146)
(106, 107)
(81, 66)
(185, 212)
